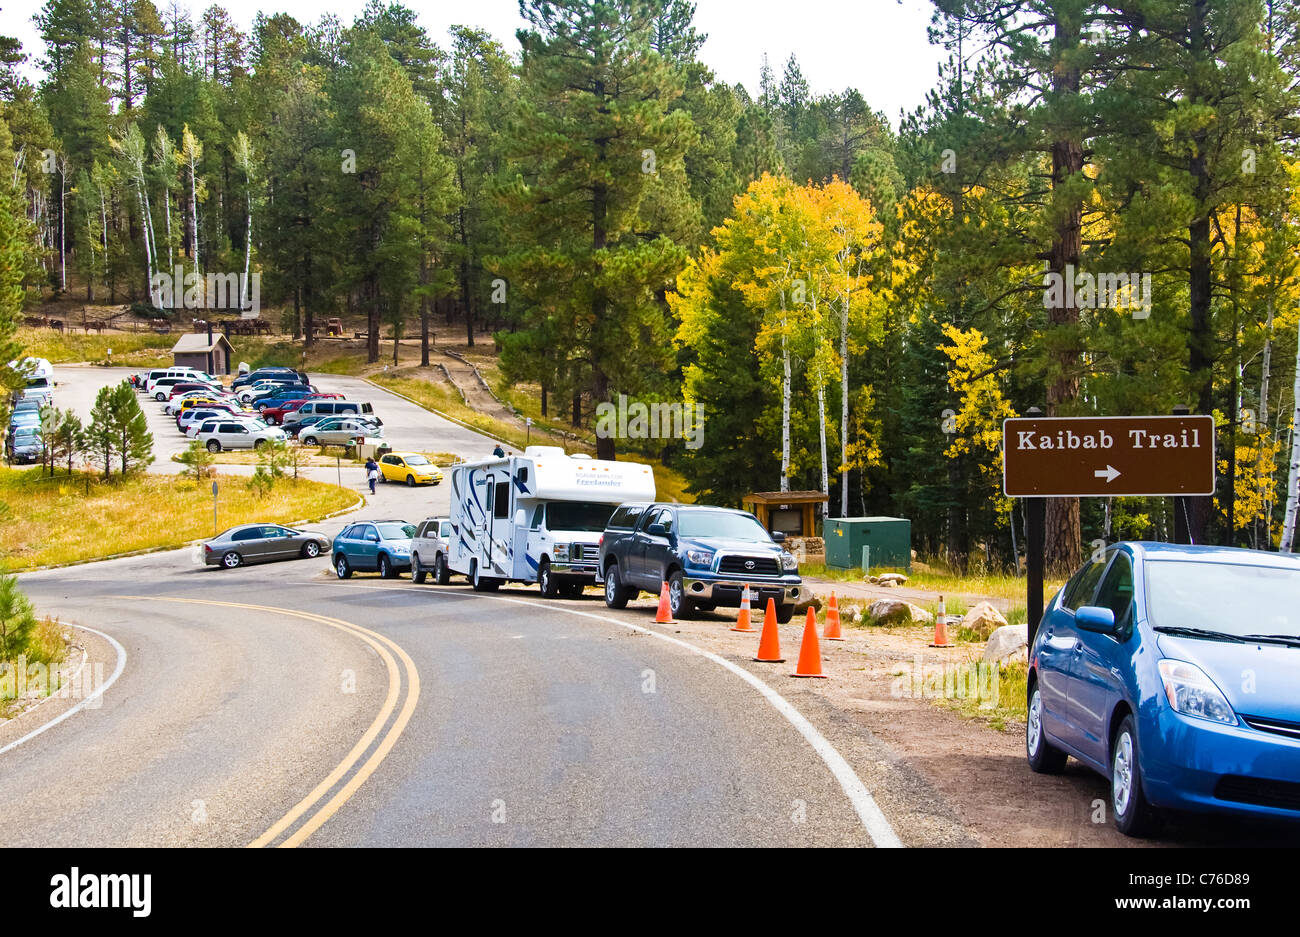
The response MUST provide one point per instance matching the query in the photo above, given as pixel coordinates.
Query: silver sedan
(262, 543)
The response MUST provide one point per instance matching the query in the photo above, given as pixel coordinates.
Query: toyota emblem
(749, 564)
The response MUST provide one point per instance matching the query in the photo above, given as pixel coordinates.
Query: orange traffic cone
(769, 642)
(941, 627)
(665, 614)
(810, 652)
(742, 620)
(833, 621)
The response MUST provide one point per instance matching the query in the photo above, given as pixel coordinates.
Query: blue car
(373, 546)
(1174, 671)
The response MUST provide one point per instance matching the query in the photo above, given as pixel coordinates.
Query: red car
(273, 415)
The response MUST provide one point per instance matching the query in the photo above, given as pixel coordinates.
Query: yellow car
(409, 467)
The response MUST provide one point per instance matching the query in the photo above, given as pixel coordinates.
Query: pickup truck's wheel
(681, 606)
(418, 572)
(546, 581)
(441, 574)
(784, 613)
(617, 595)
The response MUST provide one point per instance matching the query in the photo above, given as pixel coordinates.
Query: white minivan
(329, 408)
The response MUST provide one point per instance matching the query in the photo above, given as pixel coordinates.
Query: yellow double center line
(381, 646)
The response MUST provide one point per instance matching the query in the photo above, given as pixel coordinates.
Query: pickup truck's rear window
(722, 524)
(626, 516)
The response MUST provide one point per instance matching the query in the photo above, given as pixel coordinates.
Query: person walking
(372, 472)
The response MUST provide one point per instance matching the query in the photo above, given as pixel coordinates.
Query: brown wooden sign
(1098, 457)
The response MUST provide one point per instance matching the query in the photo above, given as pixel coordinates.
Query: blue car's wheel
(1134, 815)
(1043, 757)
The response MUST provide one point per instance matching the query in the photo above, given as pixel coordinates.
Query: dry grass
(52, 521)
(129, 348)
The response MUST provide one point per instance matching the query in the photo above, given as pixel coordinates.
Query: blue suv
(373, 546)
(1173, 672)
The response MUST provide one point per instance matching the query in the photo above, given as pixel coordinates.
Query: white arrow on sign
(1110, 473)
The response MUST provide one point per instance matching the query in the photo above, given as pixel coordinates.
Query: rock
(808, 601)
(919, 567)
(888, 583)
(896, 578)
(1009, 641)
(874, 580)
(983, 619)
(898, 612)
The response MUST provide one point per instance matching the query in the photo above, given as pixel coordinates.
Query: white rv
(537, 517)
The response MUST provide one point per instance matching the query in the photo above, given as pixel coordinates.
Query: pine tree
(595, 142)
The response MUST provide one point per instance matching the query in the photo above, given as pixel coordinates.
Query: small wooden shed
(206, 352)
(794, 513)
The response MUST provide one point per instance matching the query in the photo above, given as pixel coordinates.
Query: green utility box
(888, 539)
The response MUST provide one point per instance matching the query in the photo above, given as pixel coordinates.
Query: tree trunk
(1293, 476)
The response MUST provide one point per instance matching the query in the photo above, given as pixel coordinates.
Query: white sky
(877, 46)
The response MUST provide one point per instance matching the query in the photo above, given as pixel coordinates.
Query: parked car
(707, 555)
(429, 550)
(382, 546)
(174, 406)
(196, 416)
(246, 393)
(26, 404)
(1172, 671)
(20, 418)
(220, 433)
(23, 444)
(161, 390)
(338, 432)
(273, 412)
(409, 467)
(332, 408)
(262, 543)
(276, 373)
(281, 395)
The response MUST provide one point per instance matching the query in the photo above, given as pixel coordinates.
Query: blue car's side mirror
(1095, 618)
(657, 530)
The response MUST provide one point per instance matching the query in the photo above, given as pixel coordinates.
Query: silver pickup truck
(429, 549)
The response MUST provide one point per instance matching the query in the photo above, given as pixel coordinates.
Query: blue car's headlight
(789, 561)
(1190, 692)
(699, 557)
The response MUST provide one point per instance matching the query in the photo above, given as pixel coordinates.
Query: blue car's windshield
(721, 524)
(396, 531)
(1237, 599)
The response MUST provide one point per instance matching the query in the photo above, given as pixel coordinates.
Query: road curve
(525, 724)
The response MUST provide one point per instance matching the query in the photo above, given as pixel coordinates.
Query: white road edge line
(117, 672)
(877, 826)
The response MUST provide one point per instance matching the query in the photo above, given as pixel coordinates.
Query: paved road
(530, 723)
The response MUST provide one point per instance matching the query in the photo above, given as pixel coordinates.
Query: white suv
(232, 433)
